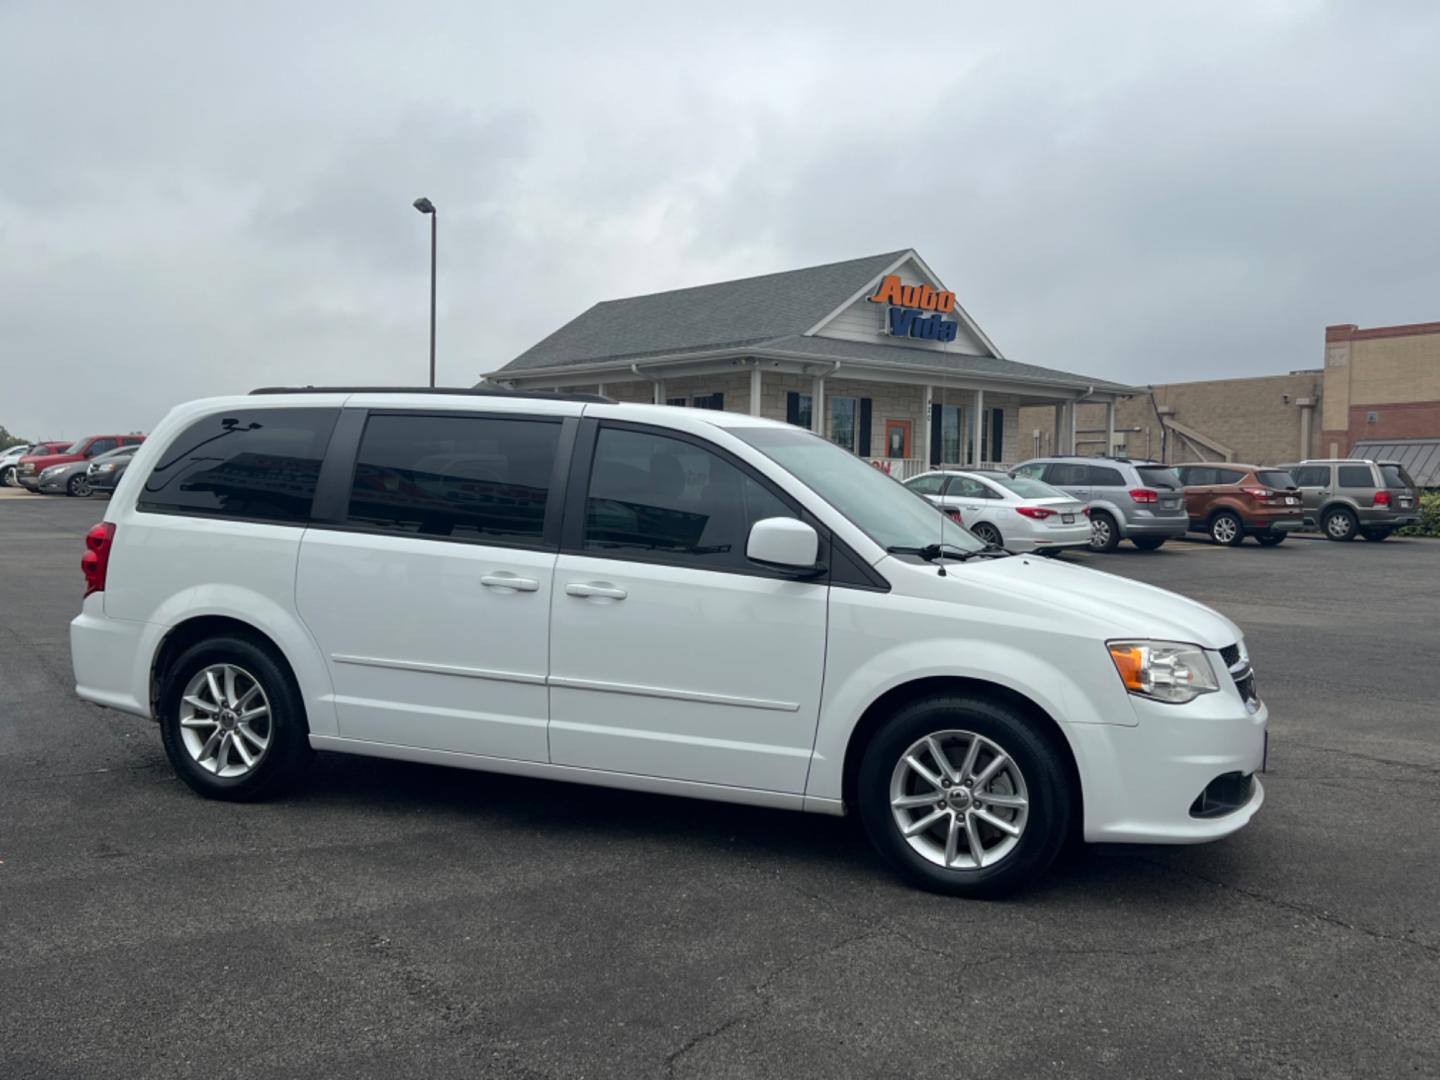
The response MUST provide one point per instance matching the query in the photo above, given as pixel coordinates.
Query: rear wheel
(232, 720)
(961, 795)
(1104, 535)
(1375, 534)
(1269, 539)
(987, 534)
(1226, 528)
(1147, 543)
(7, 476)
(1339, 524)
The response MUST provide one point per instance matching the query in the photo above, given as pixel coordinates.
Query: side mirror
(783, 542)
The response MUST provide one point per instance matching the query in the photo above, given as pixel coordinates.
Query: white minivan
(670, 600)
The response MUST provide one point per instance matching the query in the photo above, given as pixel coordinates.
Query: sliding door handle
(597, 590)
(503, 580)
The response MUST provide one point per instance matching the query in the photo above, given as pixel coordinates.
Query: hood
(1117, 607)
(44, 461)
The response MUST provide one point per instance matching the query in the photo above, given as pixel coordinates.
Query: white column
(659, 392)
(977, 435)
(600, 389)
(1059, 444)
(755, 390)
(1109, 427)
(817, 405)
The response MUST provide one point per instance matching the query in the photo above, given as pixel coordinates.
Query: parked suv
(1231, 502)
(679, 601)
(29, 468)
(1129, 499)
(1343, 497)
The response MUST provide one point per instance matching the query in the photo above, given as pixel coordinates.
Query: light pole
(425, 206)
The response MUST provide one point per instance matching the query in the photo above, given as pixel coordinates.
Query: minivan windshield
(1159, 476)
(885, 510)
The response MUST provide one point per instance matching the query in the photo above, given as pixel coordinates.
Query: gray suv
(1346, 496)
(1139, 501)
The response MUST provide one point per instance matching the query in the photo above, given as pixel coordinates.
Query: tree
(7, 440)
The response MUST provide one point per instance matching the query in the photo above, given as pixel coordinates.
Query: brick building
(873, 353)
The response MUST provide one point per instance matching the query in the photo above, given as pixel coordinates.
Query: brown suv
(1231, 502)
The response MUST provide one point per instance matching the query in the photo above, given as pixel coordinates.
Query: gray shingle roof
(730, 313)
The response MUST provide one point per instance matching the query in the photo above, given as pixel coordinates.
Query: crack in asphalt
(1434, 770)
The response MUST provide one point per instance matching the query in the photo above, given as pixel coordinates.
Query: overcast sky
(195, 200)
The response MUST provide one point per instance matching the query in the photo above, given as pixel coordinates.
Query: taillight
(954, 515)
(1259, 493)
(1039, 513)
(1085, 510)
(1382, 498)
(96, 559)
(1145, 495)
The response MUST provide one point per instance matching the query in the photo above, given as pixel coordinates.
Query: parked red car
(27, 472)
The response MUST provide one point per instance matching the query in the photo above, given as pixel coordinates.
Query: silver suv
(1139, 501)
(1346, 496)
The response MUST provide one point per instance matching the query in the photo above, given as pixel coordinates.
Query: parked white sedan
(1001, 510)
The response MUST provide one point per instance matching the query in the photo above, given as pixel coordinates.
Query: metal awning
(1421, 457)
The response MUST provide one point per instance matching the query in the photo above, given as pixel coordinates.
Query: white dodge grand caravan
(671, 600)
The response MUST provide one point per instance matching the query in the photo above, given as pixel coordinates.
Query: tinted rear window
(256, 464)
(1396, 477)
(1158, 476)
(1275, 478)
(479, 478)
(1356, 476)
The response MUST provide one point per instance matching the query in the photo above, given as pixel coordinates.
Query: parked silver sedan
(1007, 511)
(73, 477)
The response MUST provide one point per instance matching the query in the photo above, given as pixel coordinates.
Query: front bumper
(55, 485)
(29, 481)
(1141, 784)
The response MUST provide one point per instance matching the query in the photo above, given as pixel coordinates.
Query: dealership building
(875, 354)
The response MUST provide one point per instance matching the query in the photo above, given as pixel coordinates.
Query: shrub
(1429, 516)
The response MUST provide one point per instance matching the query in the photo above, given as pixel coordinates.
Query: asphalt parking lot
(395, 919)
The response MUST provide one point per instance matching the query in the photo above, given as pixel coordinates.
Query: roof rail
(467, 391)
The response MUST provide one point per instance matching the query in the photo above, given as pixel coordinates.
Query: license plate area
(1067, 519)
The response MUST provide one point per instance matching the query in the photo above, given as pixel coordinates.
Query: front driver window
(658, 499)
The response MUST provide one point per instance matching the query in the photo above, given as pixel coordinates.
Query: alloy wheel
(987, 534)
(1224, 529)
(1339, 526)
(80, 486)
(225, 720)
(1100, 532)
(959, 800)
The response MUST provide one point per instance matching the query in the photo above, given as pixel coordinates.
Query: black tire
(988, 535)
(7, 476)
(1148, 543)
(1339, 524)
(1104, 533)
(1269, 539)
(1047, 791)
(1375, 535)
(1227, 528)
(78, 486)
(288, 751)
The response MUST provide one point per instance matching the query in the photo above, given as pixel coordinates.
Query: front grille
(1240, 670)
(1231, 655)
(1223, 795)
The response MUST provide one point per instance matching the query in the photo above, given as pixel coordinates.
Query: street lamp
(425, 206)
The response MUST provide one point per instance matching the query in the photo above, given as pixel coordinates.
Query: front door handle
(503, 580)
(599, 590)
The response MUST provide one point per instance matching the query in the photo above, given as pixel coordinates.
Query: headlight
(51, 471)
(1169, 671)
(105, 468)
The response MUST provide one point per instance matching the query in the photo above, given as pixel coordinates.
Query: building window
(993, 437)
(952, 431)
(799, 410)
(709, 401)
(842, 422)
(680, 401)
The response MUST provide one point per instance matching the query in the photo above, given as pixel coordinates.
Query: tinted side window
(658, 499)
(1230, 476)
(1197, 476)
(478, 478)
(101, 446)
(967, 488)
(1356, 476)
(1065, 474)
(927, 485)
(1101, 476)
(1311, 475)
(259, 464)
(1396, 477)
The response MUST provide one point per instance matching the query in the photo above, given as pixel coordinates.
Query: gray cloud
(200, 203)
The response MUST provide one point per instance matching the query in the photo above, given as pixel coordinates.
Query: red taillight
(1145, 495)
(954, 515)
(1085, 510)
(1039, 513)
(1382, 498)
(1259, 493)
(96, 559)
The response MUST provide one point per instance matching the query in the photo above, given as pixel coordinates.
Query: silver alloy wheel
(80, 486)
(225, 720)
(987, 534)
(961, 816)
(1099, 531)
(1224, 528)
(1338, 524)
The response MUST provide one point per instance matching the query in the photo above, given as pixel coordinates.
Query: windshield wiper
(931, 552)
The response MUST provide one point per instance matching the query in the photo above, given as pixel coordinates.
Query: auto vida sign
(908, 306)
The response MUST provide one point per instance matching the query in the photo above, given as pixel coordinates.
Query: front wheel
(79, 486)
(961, 795)
(1227, 529)
(7, 476)
(1339, 524)
(232, 720)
